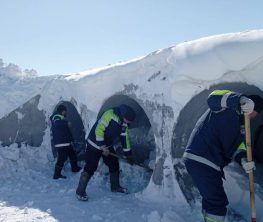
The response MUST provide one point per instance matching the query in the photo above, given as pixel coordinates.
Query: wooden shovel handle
(251, 176)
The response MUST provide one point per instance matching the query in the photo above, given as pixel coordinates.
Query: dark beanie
(127, 112)
(61, 108)
(258, 102)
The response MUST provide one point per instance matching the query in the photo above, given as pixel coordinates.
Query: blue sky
(62, 36)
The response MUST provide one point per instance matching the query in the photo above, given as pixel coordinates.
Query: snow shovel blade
(144, 166)
(125, 159)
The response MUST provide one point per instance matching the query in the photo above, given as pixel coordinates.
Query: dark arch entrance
(143, 144)
(77, 127)
(187, 120)
(24, 125)
(197, 106)
(141, 135)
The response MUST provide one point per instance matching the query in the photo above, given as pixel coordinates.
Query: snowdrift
(168, 90)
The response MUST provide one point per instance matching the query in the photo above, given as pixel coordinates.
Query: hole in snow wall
(142, 141)
(76, 127)
(186, 123)
(26, 124)
(141, 135)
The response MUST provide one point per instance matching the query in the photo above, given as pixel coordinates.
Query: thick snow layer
(31, 195)
(163, 82)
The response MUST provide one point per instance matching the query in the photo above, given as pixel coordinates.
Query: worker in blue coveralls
(62, 140)
(217, 139)
(112, 125)
(258, 145)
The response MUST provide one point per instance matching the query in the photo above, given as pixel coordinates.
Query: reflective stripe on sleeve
(62, 144)
(224, 99)
(126, 149)
(99, 139)
(103, 122)
(116, 119)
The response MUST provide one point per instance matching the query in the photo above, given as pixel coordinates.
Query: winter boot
(57, 173)
(74, 166)
(115, 183)
(81, 190)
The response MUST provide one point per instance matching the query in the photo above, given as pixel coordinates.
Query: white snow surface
(170, 76)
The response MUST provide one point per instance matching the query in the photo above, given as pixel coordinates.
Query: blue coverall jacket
(217, 138)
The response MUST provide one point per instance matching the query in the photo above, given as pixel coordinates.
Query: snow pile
(18, 86)
(14, 72)
(162, 83)
(225, 53)
(17, 161)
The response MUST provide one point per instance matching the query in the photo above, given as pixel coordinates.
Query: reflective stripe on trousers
(214, 218)
(62, 144)
(201, 160)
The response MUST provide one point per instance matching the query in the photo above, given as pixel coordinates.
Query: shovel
(126, 160)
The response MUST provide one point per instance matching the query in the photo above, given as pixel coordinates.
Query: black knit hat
(258, 102)
(61, 108)
(127, 112)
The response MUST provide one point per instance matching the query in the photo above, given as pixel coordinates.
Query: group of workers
(217, 139)
(112, 125)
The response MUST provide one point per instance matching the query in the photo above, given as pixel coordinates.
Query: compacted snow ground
(28, 193)
(35, 196)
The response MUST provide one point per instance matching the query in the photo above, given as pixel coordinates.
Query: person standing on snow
(217, 139)
(62, 140)
(112, 125)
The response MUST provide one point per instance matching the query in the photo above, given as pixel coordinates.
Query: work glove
(248, 166)
(130, 160)
(105, 150)
(246, 105)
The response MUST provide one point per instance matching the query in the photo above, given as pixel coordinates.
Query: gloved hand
(105, 150)
(130, 160)
(248, 166)
(246, 104)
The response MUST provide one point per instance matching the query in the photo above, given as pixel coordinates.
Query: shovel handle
(250, 175)
(138, 164)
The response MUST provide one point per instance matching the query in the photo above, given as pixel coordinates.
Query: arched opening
(76, 127)
(186, 122)
(24, 125)
(143, 143)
